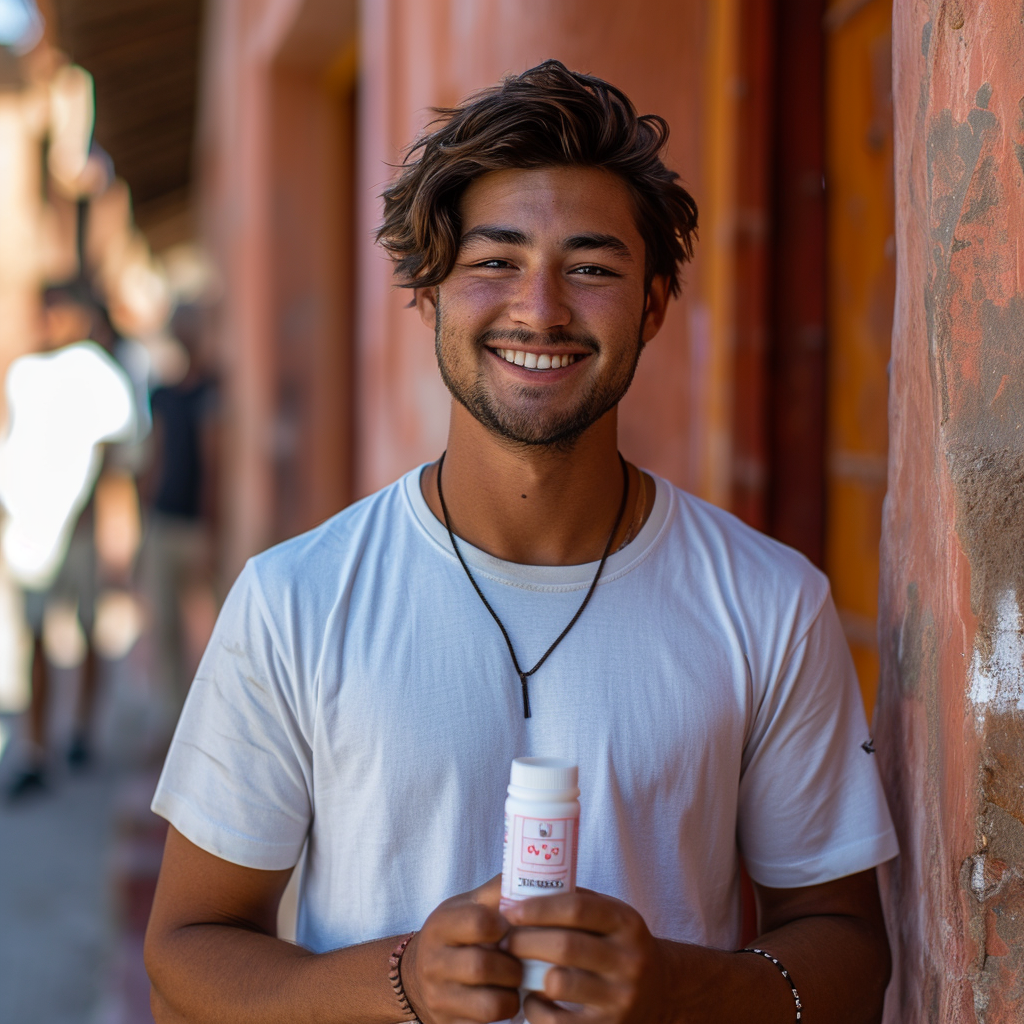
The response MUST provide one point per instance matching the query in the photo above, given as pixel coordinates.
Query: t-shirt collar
(542, 576)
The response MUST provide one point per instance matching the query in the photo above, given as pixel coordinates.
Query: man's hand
(831, 936)
(452, 969)
(605, 957)
(214, 958)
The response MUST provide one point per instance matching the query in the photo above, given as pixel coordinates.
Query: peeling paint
(997, 665)
(996, 920)
(989, 486)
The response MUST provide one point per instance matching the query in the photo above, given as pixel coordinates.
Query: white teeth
(533, 361)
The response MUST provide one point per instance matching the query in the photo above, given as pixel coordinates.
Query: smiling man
(529, 593)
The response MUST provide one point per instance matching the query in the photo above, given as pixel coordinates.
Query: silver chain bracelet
(785, 974)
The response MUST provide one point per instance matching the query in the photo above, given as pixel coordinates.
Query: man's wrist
(700, 983)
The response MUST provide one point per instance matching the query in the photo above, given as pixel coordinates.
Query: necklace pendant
(494, 615)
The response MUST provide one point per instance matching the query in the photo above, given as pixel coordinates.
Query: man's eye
(591, 271)
(496, 264)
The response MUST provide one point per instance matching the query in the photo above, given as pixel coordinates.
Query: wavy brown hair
(547, 116)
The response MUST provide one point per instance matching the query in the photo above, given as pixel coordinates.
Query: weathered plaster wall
(950, 719)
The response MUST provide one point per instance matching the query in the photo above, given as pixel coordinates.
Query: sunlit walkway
(77, 868)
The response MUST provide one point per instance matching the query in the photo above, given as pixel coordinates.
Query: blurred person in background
(64, 404)
(177, 565)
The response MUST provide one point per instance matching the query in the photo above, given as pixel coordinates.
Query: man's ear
(655, 307)
(425, 300)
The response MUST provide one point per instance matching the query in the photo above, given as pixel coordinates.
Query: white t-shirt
(63, 404)
(357, 693)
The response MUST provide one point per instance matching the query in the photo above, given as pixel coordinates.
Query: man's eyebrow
(598, 241)
(494, 233)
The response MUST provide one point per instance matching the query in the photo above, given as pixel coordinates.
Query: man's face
(540, 324)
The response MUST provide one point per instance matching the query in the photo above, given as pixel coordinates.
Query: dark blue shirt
(181, 411)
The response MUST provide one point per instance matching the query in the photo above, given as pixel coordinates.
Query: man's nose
(540, 303)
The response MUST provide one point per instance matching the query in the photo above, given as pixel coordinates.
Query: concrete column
(950, 718)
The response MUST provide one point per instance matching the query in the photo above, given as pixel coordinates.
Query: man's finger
(489, 894)
(469, 923)
(582, 987)
(473, 1003)
(567, 947)
(586, 911)
(540, 1010)
(474, 965)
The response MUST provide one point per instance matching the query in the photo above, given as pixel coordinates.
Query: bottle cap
(551, 773)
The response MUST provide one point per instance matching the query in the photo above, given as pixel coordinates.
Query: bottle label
(540, 856)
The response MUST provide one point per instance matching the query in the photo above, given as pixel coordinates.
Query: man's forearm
(217, 974)
(839, 965)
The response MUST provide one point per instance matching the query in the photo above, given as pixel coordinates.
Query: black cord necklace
(523, 676)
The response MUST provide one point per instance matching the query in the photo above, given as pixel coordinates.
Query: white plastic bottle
(542, 820)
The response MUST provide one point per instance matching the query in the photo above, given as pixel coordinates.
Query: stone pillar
(950, 717)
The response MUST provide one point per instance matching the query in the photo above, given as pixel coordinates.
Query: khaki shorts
(75, 585)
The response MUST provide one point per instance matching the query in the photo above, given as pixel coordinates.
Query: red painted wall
(275, 144)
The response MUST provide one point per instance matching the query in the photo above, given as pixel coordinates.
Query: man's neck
(532, 505)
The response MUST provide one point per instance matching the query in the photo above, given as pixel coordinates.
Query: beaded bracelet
(785, 974)
(395, 977)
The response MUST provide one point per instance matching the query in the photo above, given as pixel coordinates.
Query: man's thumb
(489, 894)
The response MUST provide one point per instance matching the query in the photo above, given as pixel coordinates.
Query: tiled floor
(56, 916)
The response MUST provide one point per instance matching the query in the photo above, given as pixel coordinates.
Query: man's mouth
(537, 360)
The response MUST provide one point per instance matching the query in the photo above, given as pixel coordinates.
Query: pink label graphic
(539, 856)
(543, 843)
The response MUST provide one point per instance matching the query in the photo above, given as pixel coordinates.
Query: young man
(359, 702)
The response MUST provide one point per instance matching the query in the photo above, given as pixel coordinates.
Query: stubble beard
(514, 423)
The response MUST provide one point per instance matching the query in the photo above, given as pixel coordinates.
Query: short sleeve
(811, 805)
(236, 781)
